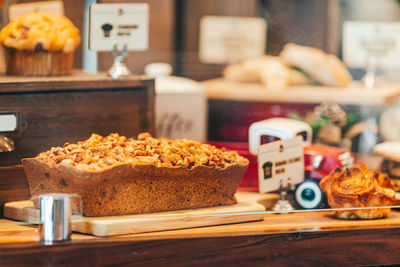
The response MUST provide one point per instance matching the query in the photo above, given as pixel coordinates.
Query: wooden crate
(55, 110)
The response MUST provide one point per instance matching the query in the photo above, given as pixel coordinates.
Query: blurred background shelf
(355, 94)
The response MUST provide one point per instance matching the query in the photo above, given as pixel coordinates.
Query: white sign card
(120, 25)
(8, 122)
(280, 162)
(366, 41)
(225, 39)
(16, 10)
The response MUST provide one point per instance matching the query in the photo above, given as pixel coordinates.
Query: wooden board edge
(171, 220)
(102, 230)
(108, 227)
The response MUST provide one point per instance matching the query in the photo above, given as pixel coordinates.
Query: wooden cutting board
(152, 222)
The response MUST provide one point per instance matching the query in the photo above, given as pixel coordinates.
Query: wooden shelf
(78, 80)
(355, 94)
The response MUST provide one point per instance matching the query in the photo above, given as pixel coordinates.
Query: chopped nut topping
(99, 152)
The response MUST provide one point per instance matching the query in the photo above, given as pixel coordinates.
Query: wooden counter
(285, 239)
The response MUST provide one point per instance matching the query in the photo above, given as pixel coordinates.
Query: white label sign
(16, 10)
(370, 42)
(8, 123)
(120, 25)
(280, 162)
(225, 40)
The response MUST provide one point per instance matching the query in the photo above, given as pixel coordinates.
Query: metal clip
(119, 69)
(370, 77)
(283, 204)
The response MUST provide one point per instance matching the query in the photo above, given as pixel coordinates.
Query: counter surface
(284, 239)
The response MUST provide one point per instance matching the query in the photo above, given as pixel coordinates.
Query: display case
(286, 101)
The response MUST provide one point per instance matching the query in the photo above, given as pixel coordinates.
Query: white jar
(180, 105)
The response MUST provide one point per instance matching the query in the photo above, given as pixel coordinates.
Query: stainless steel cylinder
(55, 218)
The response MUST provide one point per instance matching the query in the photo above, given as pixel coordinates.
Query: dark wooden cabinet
(55, 110)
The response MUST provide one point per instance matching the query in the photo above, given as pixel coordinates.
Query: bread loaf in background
(296, 65)
(267, 70)
(324, 68)
(274, 74)
(246, 71)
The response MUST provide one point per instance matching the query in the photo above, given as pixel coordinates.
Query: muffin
(39, 43)
(358, 187)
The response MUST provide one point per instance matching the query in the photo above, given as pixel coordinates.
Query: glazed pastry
(358, 187)
(39, 43)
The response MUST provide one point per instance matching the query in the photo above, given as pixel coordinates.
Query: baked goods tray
(247, 209)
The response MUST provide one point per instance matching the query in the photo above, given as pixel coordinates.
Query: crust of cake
(131, 189)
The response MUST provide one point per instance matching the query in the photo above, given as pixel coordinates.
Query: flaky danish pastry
(358, 187)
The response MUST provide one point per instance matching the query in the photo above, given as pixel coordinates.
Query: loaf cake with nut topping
(116, 175)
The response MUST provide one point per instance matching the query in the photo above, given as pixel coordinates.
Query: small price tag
(225, 40)
(280, 162)
(120, 25)
(8, 122)
(366, 41)
(16, 10)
